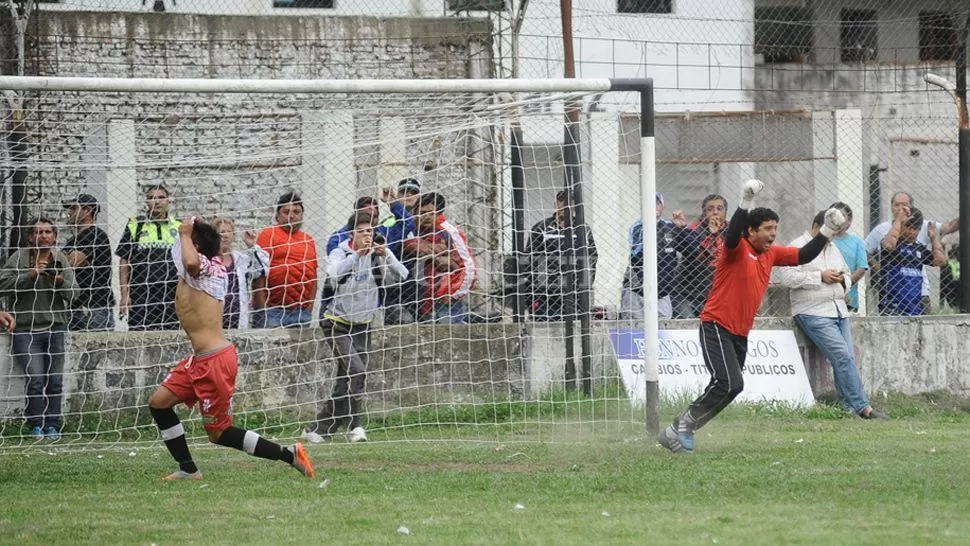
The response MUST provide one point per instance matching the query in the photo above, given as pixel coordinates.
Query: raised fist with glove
(750, 189)
(834, 222)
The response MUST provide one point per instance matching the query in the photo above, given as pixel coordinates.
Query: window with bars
(476, 5)
(783, 34)
(937, 36)
(645, 6)
(320, 4)
(858, 36)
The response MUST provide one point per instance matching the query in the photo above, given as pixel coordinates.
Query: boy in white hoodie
(357, 269)
(818, 302)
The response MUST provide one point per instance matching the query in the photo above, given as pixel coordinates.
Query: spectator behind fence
(446, 265)
(950, 279)
(391, 231)
(402, 303)
(89, 253)
(39, 286)
(631, 295)
(146, 273)
(853, 250)
(551, 258)
(901, 268)
(700, 245)
(818, 295)
(247, 271)
(366, 204)
(886, 235)
(357, 269)
(292, 282)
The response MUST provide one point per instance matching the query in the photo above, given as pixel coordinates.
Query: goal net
(489, 338)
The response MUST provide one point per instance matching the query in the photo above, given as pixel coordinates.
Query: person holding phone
(819, 301)
(39, 285)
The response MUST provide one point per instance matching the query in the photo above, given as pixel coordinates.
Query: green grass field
(759, 475)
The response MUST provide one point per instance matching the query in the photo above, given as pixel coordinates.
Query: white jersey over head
(213, 278)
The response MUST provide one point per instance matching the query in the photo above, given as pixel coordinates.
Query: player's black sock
(255, 445)
(172, 433)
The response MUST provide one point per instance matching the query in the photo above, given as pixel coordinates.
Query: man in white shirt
(818, 302)
(885, 236)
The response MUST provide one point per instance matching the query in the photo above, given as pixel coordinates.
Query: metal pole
(964, 192)
(17, 145)
(570, 158)
(577, 286)
(651, 327)
(518, 216)
(963, 290)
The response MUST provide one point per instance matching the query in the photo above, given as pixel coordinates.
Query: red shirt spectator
(292, 280)
(448, 266)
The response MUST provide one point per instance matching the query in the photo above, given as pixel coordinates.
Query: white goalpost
(227, 150)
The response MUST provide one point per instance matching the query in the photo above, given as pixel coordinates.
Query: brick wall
(235, 154)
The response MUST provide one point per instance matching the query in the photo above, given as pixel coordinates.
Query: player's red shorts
(210, 380)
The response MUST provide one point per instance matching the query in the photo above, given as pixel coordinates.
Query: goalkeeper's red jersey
(740, 282)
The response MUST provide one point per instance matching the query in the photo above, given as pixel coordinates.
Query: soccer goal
(531, 356)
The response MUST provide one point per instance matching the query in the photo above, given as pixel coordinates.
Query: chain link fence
(825, 103)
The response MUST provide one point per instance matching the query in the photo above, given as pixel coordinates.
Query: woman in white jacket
(247, 273)
(818, 304)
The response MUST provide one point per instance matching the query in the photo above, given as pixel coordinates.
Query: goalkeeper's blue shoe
(670, 439)
(686, 439)
(37, 433)
(51, 433)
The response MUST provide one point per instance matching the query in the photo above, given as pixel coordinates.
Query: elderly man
(819, 291)
(886, 236)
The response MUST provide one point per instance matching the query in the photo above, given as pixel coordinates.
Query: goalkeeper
(740, 280)
(208, 376)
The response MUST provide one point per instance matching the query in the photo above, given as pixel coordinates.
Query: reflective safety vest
(144, 232)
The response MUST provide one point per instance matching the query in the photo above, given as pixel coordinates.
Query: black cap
(409, 184)
(84, 200)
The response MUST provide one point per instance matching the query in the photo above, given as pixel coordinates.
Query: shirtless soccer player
(208, 376)
(740, 280)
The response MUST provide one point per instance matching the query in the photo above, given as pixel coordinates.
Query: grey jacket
(356, 296)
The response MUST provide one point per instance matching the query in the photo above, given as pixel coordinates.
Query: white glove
(834, 221)
(748, 191)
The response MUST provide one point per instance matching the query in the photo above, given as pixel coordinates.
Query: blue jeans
(286, 317)
(92, 319)
(448, 313)
(833, 336)
(40, 357)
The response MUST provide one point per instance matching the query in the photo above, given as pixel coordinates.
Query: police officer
(147, 274)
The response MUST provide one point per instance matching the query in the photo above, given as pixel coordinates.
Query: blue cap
(660, 198)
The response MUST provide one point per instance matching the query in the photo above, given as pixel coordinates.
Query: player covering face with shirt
(208, 376)
(740, 281)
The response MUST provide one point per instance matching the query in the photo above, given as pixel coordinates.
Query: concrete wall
(291, 370)
(421, 365)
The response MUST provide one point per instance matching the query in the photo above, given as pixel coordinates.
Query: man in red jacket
(740, 281)
(447, 268)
